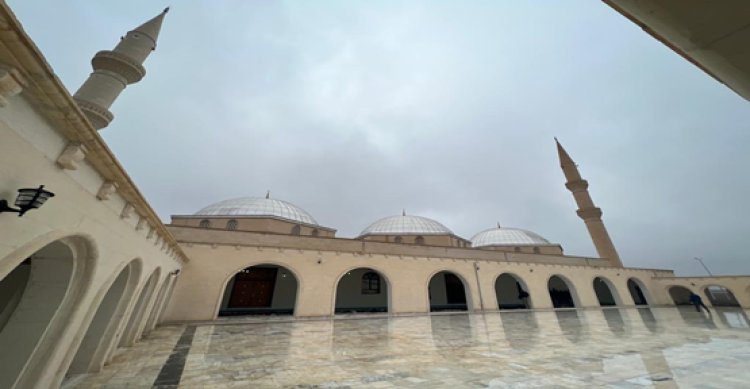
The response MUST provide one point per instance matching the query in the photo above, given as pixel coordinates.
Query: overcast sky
(355, 110)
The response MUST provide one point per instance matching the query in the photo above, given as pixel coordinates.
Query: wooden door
(253, 289)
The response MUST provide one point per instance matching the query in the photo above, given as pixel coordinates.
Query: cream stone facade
(94, 270)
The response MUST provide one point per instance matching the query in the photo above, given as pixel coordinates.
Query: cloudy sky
(355, 110)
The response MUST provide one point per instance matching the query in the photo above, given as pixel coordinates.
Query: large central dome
(258, 206)
(406, 225)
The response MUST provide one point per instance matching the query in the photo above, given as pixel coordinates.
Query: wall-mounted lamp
(28, 199)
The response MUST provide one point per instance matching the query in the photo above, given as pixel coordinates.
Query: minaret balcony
(577, 185)
(98, 116)
(590, 213)
(119, 64)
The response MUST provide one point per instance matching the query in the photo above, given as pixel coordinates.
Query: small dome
(406, 225)
(258, 206)
(501, 236)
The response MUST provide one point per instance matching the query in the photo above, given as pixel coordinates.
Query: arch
(46, 285)
(398, 239)
(638, 291)
(605, 291)
(261, 289)
(315, 232)
(537, 250)
(680, 294)
(296, 230)
(135, 322)
(447, 291)
(232, 225)
(419, 239)
(511, 292)
(355, 292)
(720, 296)
(150, 321)
(561, 292)
(115, 295)
(205, 223)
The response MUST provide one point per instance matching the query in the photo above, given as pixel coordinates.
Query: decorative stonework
(73, 153)
(107, 189)
(127, 211)
(589, 213)
(11, 84)
(141, 223)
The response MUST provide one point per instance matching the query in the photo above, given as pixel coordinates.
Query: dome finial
(403, 212)
(498, 225)
(268, 194)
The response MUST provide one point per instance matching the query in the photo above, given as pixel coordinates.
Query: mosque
(87, 268)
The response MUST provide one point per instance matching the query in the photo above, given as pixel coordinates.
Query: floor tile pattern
(611, 348)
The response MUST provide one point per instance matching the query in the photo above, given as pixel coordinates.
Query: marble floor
(615, 348)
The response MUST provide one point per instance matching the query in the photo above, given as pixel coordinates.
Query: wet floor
(616, 348)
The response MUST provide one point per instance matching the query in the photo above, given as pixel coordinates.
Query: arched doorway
(680, 295)
(136, 322)
(361, 290)
(720, 296)
(158, 303)
(447, 292)
(637, 292)
(36, 299)
(511, 292)
(101, 331)
(561, 293)
(603, 289)
(260, 290)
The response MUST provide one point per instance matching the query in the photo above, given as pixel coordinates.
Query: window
(370, 283)
(315, 232)
(419, 240)
(296, 230)
(204, 224)
(517, 249)
(232, 225)
(398, 239)
(536, 250)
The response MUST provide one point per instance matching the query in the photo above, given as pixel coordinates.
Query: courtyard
(611, 347)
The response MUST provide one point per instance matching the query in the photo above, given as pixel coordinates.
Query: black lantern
(28, 198)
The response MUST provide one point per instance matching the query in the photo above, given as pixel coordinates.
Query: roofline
(54, 102)
(318, 226)
(413, 234)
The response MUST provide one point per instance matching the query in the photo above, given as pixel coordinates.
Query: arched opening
(232, 225)
(419, 239)
(101, 331)
(205, 223)
(135, 322)
(561, 294)
(447, 292)
(398, 239)
(680, 295)
(296, 230)
(603, 290)
(361, 290)
(315, 232)
(720, 296)
(636, 292)
(36, 299)
(151, 321)
(511, 292)
(260, 290)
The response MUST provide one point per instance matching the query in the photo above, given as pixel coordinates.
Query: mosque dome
(406, 225)
(503, 236)
(258, 206)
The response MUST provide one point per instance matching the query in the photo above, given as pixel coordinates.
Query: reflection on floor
(619, 348)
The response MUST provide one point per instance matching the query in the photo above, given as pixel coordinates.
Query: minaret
(114, 70)
(587, 211)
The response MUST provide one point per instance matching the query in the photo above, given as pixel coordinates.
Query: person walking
(697, 302)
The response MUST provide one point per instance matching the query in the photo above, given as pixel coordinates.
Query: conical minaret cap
(152, 27)
(563, 155)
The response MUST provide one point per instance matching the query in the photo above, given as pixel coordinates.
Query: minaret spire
(587, 211)
(116, 69)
